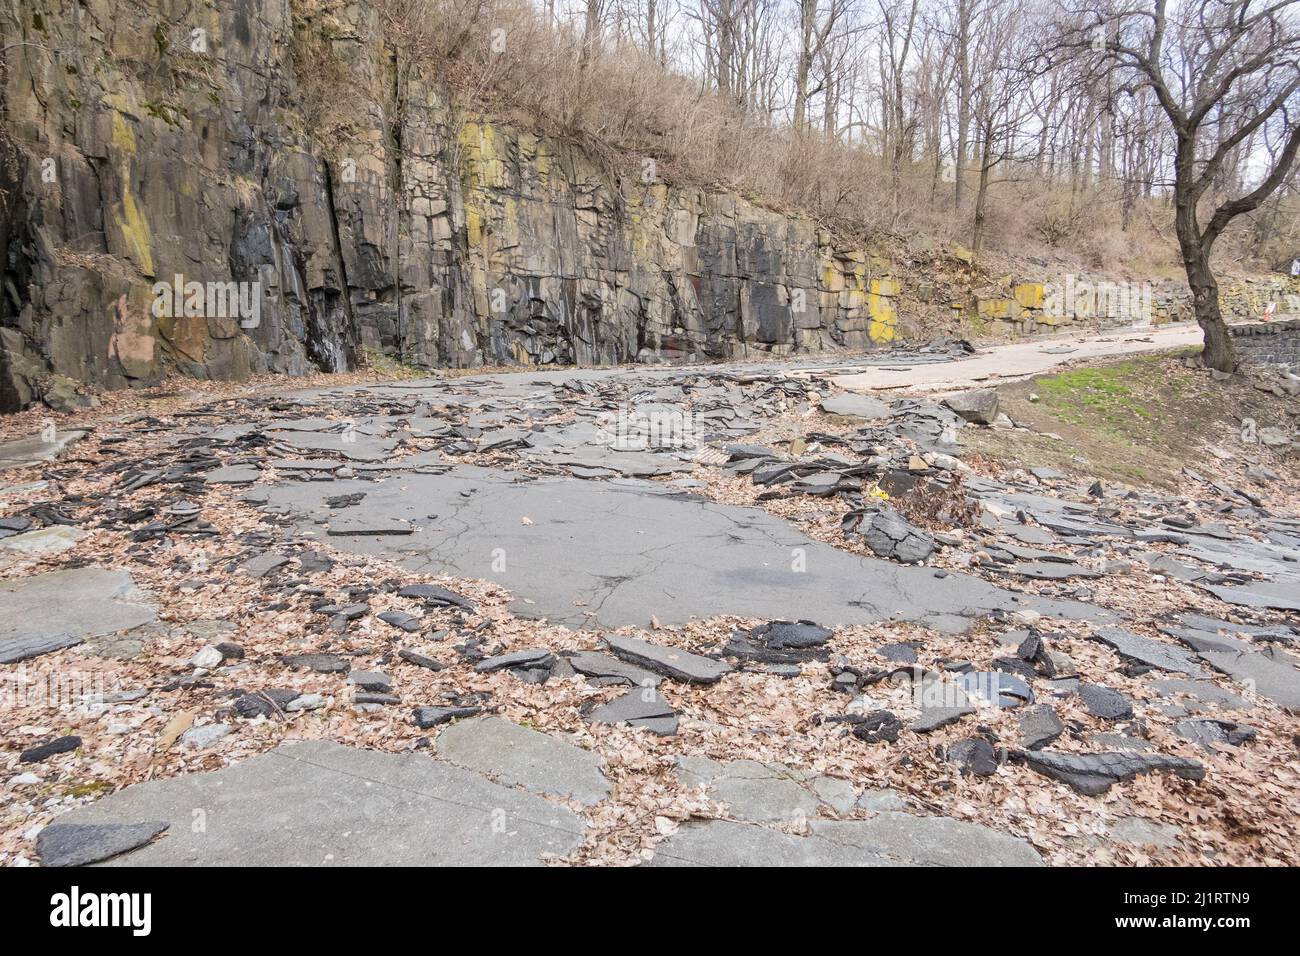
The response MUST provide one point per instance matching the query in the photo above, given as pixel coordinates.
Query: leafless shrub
(938, 506)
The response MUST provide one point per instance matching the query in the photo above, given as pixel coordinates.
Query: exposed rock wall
(156, 140)
(167, 142)
(282, 146)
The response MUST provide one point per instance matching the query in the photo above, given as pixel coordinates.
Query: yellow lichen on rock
(123, 136)
(135, 230)
(880, 307)
(886, 286)
(1006, 310)
(474, 227)
(483, 167)
(1031, 295)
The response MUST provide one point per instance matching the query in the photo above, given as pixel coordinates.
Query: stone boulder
(890, 535)
(979, 407)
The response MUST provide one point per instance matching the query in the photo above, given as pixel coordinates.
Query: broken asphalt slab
(36, 450)
(642, 707)
(853, 405)
(1095, 773)
(71, 844)
(613, 554)
(319, 803)
(524, 757)
(1149, 651)
(58, 609)
(1267, 670)
(888, 839)
(751, 790)
(671, 662)
(1278, 595)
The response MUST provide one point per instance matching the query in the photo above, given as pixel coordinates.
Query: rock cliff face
(223, 188)
(155, 151)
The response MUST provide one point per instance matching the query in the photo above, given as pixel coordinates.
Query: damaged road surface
(670, 616)
(616, 553)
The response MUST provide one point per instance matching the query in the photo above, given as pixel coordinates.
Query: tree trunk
(803, 64)
(590, 33)
(963, 99)
(1219, 352)
(981, 194)
(828, 109)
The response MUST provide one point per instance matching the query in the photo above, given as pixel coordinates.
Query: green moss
(91, 789)
(388, 366)
(168, 114)
(1100, 396)
(978, 325)
(1136, 421)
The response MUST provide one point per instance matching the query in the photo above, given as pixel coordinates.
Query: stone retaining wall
(1269, 343)
(1102, 302)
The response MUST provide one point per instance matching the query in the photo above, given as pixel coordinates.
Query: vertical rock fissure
(396, 184)
(350, 334)
(14, 391)
(741, 345)
(459, 270)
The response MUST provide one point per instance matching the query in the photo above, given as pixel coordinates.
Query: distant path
(1020, 359)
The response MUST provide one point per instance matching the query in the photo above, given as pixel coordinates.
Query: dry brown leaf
(175, 727)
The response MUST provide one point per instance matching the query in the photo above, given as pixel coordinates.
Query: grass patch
(1102, 397)
(1138, 421)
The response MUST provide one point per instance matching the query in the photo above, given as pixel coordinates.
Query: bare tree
(963, 16)
(1222, 71)
(591, 29)
(719, 22)
(1001, 94)
(818, 23)
(898, 25)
